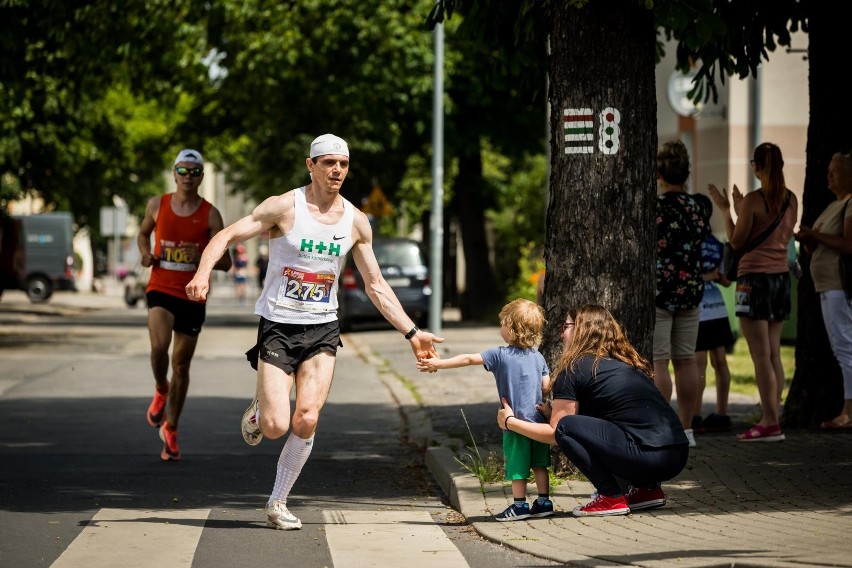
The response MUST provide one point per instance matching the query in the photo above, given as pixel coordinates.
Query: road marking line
(358, 539)
(136, 539)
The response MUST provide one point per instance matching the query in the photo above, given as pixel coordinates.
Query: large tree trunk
(600, 245)
(481, 300)
(816, 392)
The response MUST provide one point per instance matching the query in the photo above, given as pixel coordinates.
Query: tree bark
(600, 245)
(816, 392)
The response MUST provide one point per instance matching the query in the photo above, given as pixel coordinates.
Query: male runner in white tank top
(310, 231)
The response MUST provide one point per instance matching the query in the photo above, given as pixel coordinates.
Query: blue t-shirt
(518, 372)
(712, 302)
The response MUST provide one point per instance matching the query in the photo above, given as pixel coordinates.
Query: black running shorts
(287, 345)
(714, 333)
(189, 315)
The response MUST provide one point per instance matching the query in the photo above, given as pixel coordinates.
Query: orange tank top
(178, 244)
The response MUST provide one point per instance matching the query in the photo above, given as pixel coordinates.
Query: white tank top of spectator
(304, 267)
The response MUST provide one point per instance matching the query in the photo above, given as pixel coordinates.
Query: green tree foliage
(76, 84)
(293, 70)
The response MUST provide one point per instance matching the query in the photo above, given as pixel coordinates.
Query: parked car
(404, 266)
(135, 283)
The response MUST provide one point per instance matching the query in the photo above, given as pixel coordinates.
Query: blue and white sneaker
(541, 510)
(514, 513)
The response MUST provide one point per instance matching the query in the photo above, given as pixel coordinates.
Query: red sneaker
(157, 408)
(170, 452)
(603, 506)
(639, 498)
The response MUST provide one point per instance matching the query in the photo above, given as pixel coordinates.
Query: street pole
(436, 302)
(116, 240)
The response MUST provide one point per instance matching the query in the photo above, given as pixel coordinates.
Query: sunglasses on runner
(194, 172)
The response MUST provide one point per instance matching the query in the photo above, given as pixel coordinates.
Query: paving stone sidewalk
(735, 504)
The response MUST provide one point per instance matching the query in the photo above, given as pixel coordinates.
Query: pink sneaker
(758, 433)
(157, 408)
(639, 498)
(603, 506)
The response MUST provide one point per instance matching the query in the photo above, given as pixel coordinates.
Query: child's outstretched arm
(432, 364)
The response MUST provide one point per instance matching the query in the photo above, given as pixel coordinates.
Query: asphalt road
(78, 458)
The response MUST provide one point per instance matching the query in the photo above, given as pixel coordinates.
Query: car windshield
(398, 254)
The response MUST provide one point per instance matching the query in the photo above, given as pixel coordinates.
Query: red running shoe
(157, 408)
(640, 498)
(170, 452)
(603, 506)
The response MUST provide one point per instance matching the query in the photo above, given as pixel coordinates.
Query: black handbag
(731, 257)
(730, 261)
(845, 260)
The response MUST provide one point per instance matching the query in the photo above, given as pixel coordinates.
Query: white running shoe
(278, 517)
(249, 426)
(690, 436)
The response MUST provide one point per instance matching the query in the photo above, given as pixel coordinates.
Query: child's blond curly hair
(524, 320)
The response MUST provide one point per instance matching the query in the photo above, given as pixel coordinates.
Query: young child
(521, 374)
(714, 339)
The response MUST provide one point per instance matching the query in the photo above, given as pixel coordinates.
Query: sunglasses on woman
(567, 324)
(194, 172)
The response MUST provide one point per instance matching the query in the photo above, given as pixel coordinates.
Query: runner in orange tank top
(182, 224)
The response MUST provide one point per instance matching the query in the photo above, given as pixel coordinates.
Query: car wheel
(39, 289)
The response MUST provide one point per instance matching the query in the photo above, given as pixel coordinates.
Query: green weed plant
(490, 469)
(486, 470)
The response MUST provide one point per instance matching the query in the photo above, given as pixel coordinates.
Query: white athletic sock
(293, 457)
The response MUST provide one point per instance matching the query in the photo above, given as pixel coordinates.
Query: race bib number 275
(305, 291)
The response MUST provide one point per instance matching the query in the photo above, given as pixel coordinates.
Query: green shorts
(521, 454)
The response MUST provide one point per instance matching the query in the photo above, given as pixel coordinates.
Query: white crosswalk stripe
(359, 539)
(133, 538)
(136, 539)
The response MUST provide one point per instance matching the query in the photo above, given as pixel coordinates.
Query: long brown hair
(768, 158)
(597, 333)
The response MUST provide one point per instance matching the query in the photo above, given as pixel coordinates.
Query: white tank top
(304, 267)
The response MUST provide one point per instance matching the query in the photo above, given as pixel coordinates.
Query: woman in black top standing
(608, 417)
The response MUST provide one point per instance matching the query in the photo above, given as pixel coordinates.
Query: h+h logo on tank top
(331, 249)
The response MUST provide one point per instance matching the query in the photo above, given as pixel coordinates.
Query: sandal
(835, 425)
(758, 433)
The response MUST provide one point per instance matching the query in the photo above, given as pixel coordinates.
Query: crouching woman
(608, 417)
